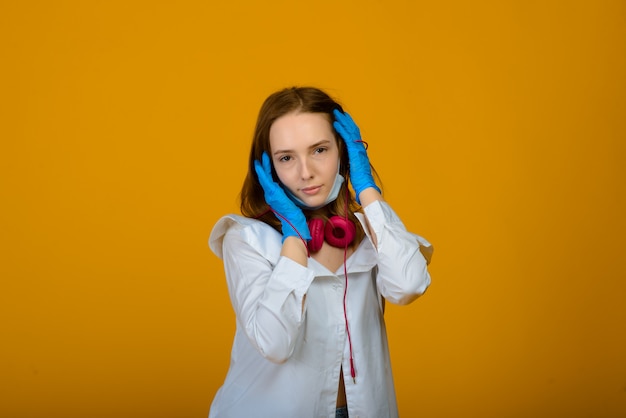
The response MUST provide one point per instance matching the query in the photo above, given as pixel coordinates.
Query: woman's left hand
(360, 169)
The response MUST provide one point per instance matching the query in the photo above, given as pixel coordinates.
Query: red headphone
(338, 232)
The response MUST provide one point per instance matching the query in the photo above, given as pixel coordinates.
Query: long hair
(280, 103)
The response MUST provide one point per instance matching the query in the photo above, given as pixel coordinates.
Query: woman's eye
(284, 158)
(320, 150)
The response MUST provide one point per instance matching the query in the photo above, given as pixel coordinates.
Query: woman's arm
(268, 299)
(368, 196)
(402, 273)
(295, 249)
(402, 269)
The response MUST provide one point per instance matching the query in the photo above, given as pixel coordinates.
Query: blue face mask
(332, 195)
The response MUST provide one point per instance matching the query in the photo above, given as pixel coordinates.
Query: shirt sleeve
(402, 268)
(267, 299)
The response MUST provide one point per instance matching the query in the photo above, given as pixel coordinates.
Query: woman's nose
(305, 170)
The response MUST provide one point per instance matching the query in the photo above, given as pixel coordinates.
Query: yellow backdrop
(498, 128)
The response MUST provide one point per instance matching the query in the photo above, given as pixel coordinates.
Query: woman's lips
(311, 190)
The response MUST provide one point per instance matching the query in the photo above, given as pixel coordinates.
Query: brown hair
(280, 103)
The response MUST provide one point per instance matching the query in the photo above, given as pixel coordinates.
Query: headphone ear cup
(316, 228)
(339, 232)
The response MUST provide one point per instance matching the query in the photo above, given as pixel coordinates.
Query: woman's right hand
(291, 216)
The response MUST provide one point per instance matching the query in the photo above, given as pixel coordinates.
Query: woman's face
(305, 155)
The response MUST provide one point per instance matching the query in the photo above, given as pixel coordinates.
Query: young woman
(309, 266)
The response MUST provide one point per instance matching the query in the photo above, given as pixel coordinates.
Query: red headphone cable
(345, 293)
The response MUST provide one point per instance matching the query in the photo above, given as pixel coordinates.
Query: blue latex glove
(360, 170)
(290, 216)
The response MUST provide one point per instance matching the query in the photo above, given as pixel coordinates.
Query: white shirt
(286, 360)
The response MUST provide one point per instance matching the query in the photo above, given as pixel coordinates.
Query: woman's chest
(332, 257)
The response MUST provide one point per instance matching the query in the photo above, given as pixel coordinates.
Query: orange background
(498, 127)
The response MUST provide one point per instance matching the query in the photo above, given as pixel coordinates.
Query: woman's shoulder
(255, 233)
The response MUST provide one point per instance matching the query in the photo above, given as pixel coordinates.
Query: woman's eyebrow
(322, 142)
(281, 151)
(317, 144)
